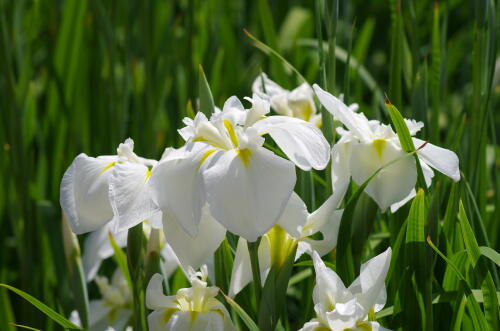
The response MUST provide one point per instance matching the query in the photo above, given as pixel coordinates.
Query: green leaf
(6, 313)
(416, 219)
(52, 314)
(121, 260)
(207, 104)
(468, 235)
(310, 263)
(448, 261)
(491, 254)
(24, 327)
(490, 300)
(405, 139)
(250, 324)
(401, 127)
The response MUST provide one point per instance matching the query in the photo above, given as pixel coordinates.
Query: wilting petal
(391, 184)
(155, 299)
(294, 217)
(241, 274)
(357, 123)
(301, 141)
(194, 251)
(441, 159)
(84, 193)
(247, 192)
(177, 186)
(130, 195)
(329, 288)
(370, 284)
(97, 248)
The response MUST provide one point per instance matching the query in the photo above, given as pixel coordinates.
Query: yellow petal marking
(281, 245)
(230, 130)
(379, 145)
(109, 166)
(205, 156)
(245, 155)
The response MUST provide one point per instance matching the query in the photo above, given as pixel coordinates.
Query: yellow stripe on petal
(107, 167)
(232, 134)
(205, 156)
(379, 145)
(245, 155)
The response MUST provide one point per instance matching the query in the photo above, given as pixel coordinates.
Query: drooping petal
(247, 190)
(155, 299)
(131, 195)
(391, 184)
(428, 174)
(329, 288)
(441, 159)
(301, 141)
(180, 320)
(356, 122)
(323, 217)
(97, 248)
(341, 172)
(330, 231)
(177, 186)
(371, 281)
(241, 274)
(294, 217)
(194, 251)
(84, 193)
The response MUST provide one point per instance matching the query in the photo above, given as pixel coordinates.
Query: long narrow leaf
(52, 314)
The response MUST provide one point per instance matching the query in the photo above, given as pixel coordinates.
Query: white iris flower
(297, 103)
(225, 167)
(368, 145)
(114, 310)
(194, 308)
(97, 248)
(295, 228)
(339, 308)
(114, 188)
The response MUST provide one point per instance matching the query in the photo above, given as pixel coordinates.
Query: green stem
(253, 250)
(135, 258)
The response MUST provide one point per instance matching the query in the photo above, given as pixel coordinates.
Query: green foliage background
(83, 75)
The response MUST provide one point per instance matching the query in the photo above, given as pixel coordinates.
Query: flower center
(379, 145)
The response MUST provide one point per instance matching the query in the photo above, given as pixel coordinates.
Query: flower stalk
(253, 250)
(135, 254)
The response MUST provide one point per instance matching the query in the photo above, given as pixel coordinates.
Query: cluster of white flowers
(224, 178)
